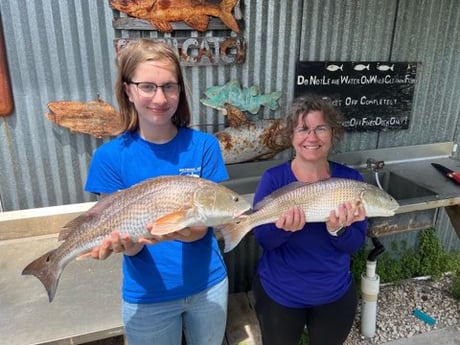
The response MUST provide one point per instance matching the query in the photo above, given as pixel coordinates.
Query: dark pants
(327, 324)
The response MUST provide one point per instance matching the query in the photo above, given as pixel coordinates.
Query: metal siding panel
(428, 32)
(60, 51)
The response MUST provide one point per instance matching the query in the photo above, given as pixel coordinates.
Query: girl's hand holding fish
(291, 220)
(116, 243)
(347, 214)
(122, 243)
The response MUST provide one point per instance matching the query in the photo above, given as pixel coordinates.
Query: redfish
(196, 13)
(170, 203)
(316, 200)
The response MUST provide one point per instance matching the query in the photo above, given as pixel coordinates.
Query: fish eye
(235, 198)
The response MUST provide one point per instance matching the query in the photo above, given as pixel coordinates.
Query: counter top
(86, 306)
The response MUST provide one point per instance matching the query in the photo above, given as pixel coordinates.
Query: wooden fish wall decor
(97, 118)
(195, 13)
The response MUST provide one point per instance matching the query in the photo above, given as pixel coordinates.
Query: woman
(177, 283)
(303, 277)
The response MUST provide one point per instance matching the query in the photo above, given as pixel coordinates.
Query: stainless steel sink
(396, 185)
(414, 212)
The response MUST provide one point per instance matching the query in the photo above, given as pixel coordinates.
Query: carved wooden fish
(97, 118)
(195, 13)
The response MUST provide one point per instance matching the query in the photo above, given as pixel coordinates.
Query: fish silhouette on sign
(195, 13)
(334, 68)
(361, 67)
(385, 68)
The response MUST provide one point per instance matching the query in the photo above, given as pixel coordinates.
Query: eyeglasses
(150, 89)
(320, 131)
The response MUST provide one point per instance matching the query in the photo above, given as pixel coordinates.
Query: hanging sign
(372, 95)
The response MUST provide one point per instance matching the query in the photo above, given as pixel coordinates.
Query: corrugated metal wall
(63, 50)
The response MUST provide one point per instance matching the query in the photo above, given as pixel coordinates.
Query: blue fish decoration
(245, 99)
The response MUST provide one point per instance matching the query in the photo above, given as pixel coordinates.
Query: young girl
(176, 284)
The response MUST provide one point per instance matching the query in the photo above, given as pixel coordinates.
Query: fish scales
(169, 203)
(317, 200)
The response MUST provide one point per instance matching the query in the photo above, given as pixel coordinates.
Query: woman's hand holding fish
(347, 214)
(292, 220)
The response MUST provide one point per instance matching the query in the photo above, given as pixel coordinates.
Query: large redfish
(170, 203)
(316, 199)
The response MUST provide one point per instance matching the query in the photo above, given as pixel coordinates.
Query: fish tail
(226, 7)
(47, 269)
(274, 97)
(233, 233)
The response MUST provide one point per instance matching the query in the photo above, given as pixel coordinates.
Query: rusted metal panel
(416, 220)
(203, 51)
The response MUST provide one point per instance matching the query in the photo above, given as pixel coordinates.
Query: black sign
(371, 95)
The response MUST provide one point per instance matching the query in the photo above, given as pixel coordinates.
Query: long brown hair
(129, 58)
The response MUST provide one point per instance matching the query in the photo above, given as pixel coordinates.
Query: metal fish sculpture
(260, 139)
(245, 99)
(171, 203)
(97, 118)
(195, 13)
(316, 199)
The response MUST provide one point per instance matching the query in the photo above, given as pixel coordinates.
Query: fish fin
(199, 23)
(94, 211)
(170, 223)
(163, 26)
(285, 189)
(226, 7)
(233, 233)
(47, 269)
(68, 228)
(84, 256)
(274, 97)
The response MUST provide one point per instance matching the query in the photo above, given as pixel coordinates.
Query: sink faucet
(374, 165)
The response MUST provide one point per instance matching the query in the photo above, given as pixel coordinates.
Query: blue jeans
(202, 318)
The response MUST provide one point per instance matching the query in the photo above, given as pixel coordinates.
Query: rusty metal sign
(203, 51)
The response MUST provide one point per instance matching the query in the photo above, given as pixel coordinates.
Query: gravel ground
(396, 303)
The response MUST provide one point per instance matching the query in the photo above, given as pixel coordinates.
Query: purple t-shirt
(308, 267)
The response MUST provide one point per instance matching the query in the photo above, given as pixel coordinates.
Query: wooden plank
(38, 221)
(454, 215)
(242, 323)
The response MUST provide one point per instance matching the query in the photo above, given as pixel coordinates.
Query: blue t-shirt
(171, 269)
(309, 267)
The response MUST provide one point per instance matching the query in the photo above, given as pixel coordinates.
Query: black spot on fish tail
(47, 269)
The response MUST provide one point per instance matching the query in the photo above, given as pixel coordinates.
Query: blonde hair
(129, 58)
